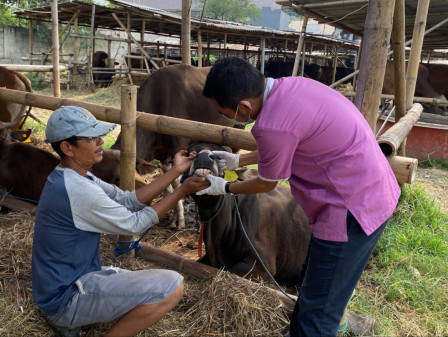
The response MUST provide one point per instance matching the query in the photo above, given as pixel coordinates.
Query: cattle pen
(371, 63)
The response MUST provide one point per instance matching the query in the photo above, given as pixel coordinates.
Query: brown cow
(13, 113)
(101, 60)
(174, 91)
(24, 168)
(276, 225)
(423, 87)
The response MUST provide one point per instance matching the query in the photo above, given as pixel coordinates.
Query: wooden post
(75, 46)
(398, 40)
(218, 134)
(208, 49)
(199, 49)
(128, 144)
(300, 46)
(377, 30)
(90, 49)
(55, 47)
(335, 64)
(129, 31)
(185, 32)
(142, 40)
(30, 40)
(262, 45)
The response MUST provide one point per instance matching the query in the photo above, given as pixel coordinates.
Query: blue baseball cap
(69, 121)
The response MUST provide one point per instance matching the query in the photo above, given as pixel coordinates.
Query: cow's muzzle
(207, 163)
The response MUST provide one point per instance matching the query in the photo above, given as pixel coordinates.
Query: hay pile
(220, 307)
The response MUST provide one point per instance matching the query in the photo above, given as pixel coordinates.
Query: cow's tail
(28, 87)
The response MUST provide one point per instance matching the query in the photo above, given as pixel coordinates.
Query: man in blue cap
(69, 284)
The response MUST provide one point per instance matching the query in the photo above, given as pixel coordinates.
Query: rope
(132, 244)
(256, 253)
(19, 198)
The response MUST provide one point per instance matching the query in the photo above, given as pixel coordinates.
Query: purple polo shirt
(313, 136)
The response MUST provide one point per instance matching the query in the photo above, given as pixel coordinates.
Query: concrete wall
(14, 45)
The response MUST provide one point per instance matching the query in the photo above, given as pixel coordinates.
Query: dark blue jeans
(330, 274)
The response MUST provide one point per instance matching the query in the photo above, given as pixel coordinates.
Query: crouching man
(69, 284)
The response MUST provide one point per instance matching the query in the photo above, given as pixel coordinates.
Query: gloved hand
(232, 160)
(217, 187)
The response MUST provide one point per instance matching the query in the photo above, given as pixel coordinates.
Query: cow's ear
(143, 167)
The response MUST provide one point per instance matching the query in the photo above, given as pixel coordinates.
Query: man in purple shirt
(318, 140)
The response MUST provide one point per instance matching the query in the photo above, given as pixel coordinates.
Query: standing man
(69, 284)
(312, 136)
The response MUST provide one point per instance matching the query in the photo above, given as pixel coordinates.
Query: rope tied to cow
(200, 224)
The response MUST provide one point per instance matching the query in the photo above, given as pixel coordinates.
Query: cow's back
(438, 77)
(15, 81)
(174, 91)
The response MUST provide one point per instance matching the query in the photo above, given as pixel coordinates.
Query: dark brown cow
(174, 91)
(24, 168)
(276, 225)
(13, 113)
(423, 87)
(438, 77)
(101, 60)
(327, 74)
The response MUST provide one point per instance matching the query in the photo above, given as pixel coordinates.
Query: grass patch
(405, 288)
(436, 163)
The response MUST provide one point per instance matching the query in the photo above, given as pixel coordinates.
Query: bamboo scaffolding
(196, 131)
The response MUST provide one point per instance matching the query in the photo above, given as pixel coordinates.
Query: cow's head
(206, 162)
(10, 135)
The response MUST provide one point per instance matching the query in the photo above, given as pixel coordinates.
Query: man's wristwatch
(227, 187)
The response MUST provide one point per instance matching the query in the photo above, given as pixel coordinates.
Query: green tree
(230, 10)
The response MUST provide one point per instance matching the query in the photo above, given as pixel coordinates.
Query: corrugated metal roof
(350, 16)
(166, 23)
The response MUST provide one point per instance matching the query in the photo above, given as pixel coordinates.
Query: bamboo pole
(199, 49)
(218, 134)
(185, 32)
(199, 270)
(405, 169)
(128, 151)
(335, 64)
(75, 47)
(390, 140)
(142, 39)
(377, 30)
(398, 40)
(300, 46)
(33, 68)
(30, 40)
(262, 46)
(416, 49)
(414, 56)
(55, 51)
(416, 99)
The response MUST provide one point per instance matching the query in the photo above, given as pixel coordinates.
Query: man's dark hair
(231, 80)
(57, 145)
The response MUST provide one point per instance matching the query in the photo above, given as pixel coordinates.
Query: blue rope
(133, 244)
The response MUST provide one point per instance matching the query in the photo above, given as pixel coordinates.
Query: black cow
(277, 69)
(276, 225)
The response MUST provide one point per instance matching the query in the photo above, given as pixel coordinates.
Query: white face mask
(235, 122)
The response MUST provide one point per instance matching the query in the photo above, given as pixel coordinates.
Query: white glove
(217, 187)
(232, 160)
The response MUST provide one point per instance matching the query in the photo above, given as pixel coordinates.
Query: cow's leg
(179, 218)
(248, 268)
